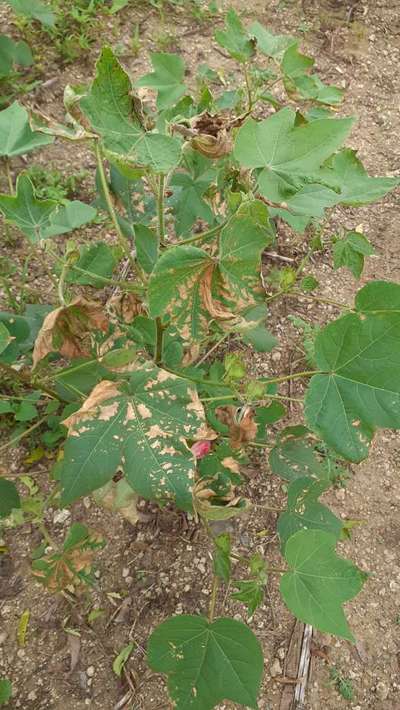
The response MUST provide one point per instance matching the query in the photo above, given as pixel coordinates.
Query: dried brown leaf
(67, 329)
(242, 427)
(126, 306)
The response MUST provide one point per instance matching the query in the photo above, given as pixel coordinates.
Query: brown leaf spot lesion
(105, 390)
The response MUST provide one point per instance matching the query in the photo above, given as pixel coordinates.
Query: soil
(162, 564)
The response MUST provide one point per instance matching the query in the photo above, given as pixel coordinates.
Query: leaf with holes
(319, 582)
(305, 512)
(207, 663)
(296, 455)
(353, 396)
(166, 77)
(140, 426)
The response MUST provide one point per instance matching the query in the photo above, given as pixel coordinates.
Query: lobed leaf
(167, 77)
(319, 582)
(207, 663)
(139, 426)
(359, 389)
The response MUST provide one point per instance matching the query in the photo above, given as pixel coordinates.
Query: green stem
(160, 209)
(159, 342)
(248, 89)
(255, 444)
(294, 376)
(110, 207)
(23, 434)
(27, 380)
(213, 599)
(40, 254)
(204, 235)
(45, 533)
(9, 177)
(112, 282)
(61, 283)
(317, 299)
(268, 508)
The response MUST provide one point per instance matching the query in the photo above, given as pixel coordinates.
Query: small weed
(342, 684)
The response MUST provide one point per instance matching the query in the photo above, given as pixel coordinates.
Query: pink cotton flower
(201, 448)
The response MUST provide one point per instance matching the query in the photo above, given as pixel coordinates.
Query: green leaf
(30, 215)
(122, 658)
(26, 412)
(319, 582)
(167, 78)
(16, 135)
(357, 187)
(305, 512)
(188, 202)
(5, 691)
(207, 663)
(147, 246)
(221, 556)
(98, 259)
(40, 219)
(359, 355)
(12, 53)
(35, 10)
(269, 44)
(250, 592)
(295, 456)
(67, 217)
(235, 38)
(277, 144)
(9, 497)
(350, 252)
(311, 87)
(117, 6)
(309, 283)
(113, 112)
(294, 63)
(5, 337)
(138, 426)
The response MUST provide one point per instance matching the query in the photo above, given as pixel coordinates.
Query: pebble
(32, 695)
(281, 653)
(276, 669)
(382, 690)
(3, 637)
(125, 571)
(90, 671)
(61, 516)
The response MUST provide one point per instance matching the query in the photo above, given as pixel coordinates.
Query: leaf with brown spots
(126, 306)
(68, 329)
(193, 288)
(140, 426)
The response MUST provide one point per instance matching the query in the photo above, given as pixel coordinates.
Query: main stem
(27, 380)
(248, 88)
(110, 207)
(160, 208)
(9, 176)
(213, 599)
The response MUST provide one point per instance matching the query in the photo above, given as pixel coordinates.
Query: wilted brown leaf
(67, 329)
(126, 306)
(242, 427)
(212, 137)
